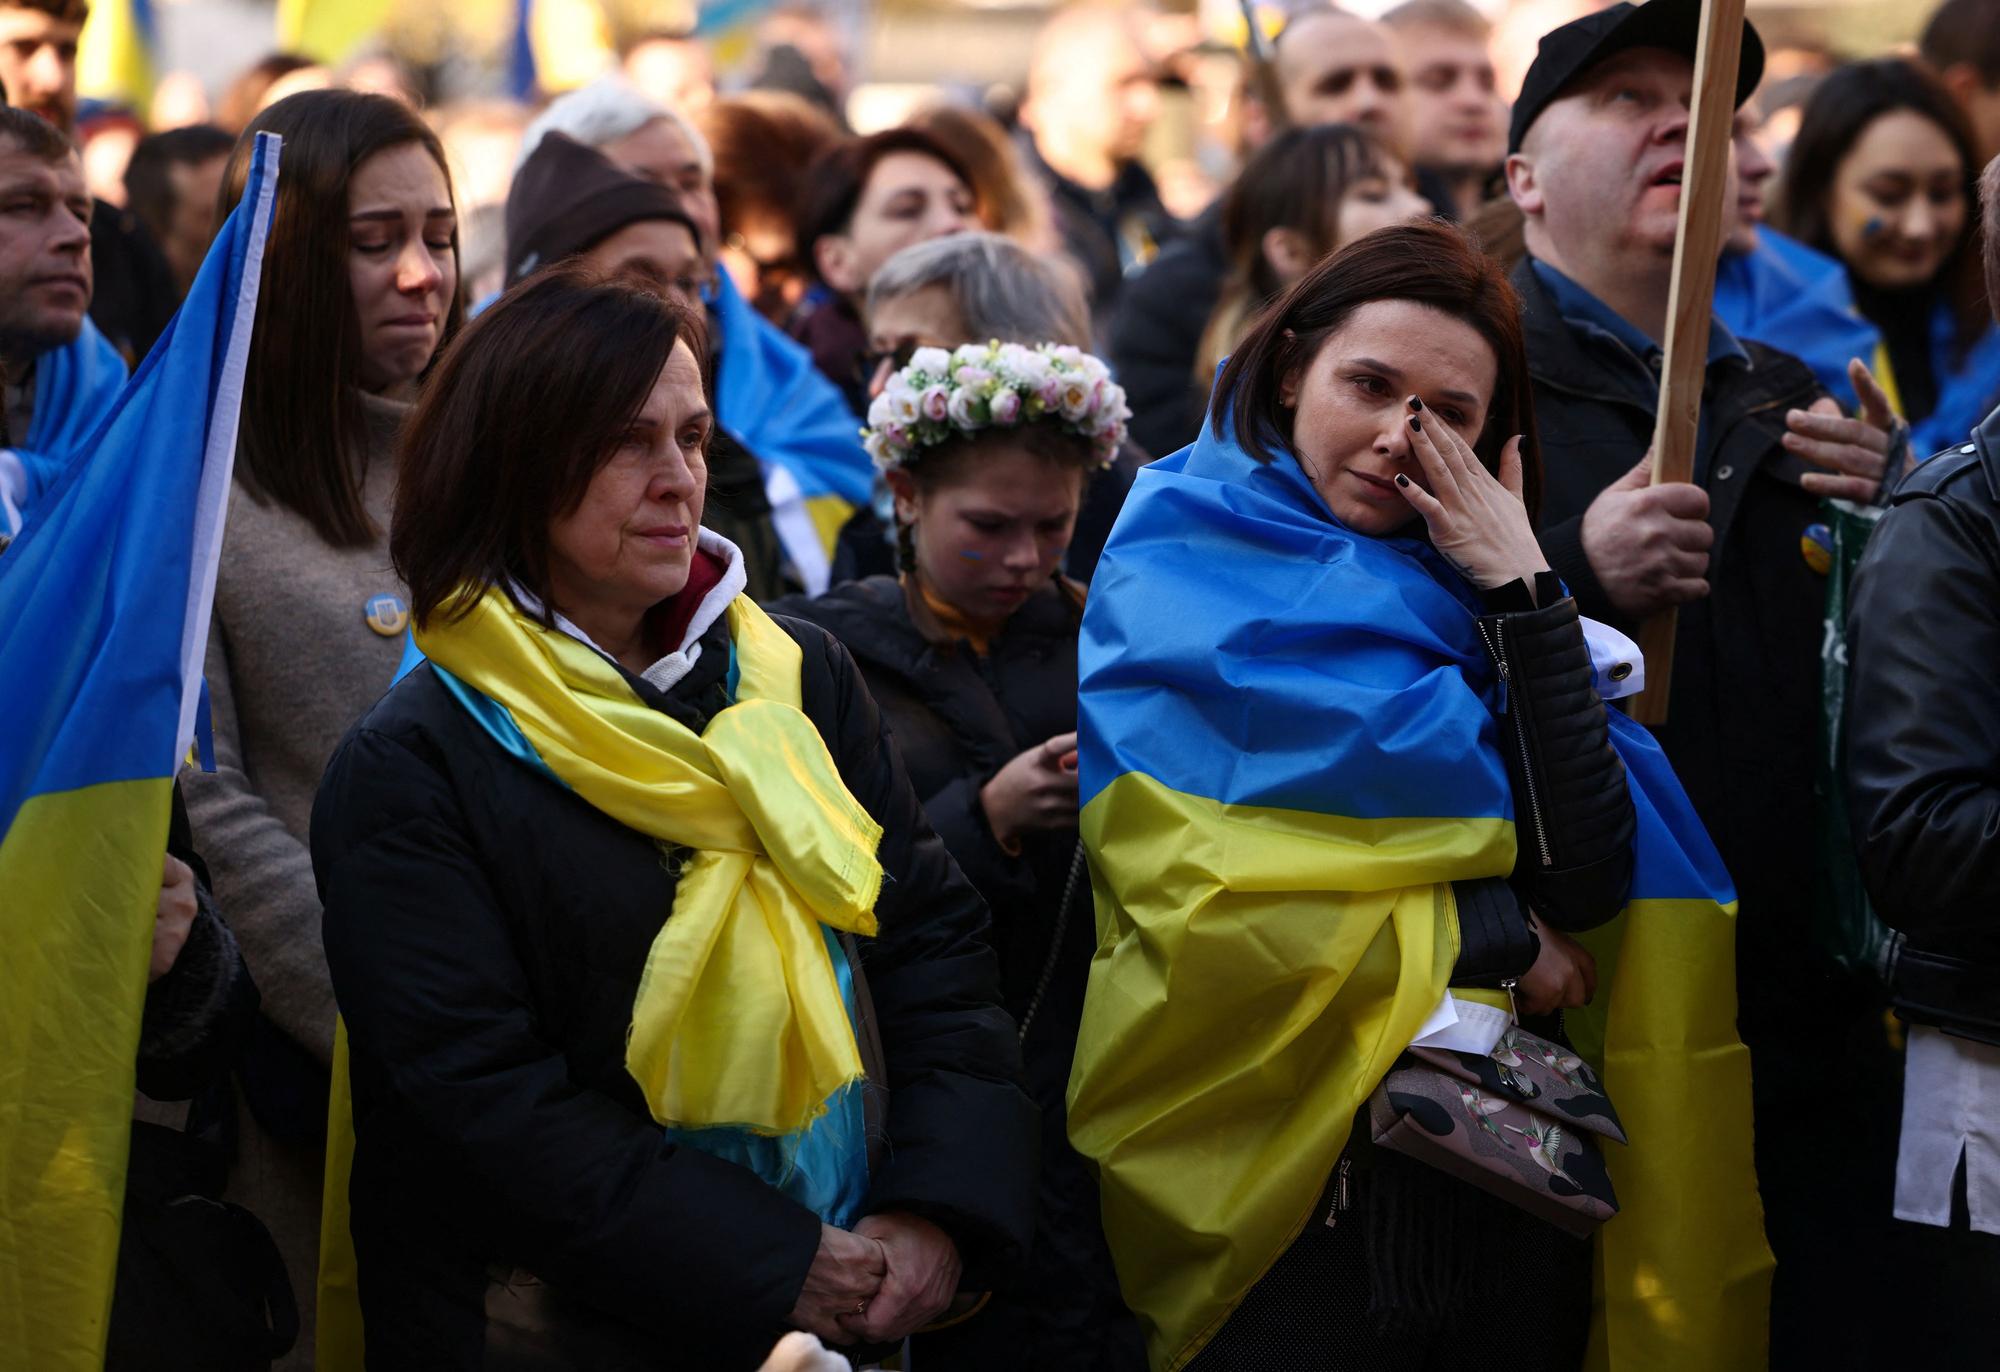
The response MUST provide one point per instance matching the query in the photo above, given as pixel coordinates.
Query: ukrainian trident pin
(387, 615)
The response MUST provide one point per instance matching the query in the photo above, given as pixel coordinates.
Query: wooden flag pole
(1691, 301)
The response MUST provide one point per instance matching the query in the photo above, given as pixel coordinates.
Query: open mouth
(1669, 175)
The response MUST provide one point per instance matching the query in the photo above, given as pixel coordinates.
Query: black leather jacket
(1923, 735)
(1572, 807)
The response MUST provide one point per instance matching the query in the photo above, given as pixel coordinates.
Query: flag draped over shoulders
(772, 399)
(1289, 751)
(104, 606)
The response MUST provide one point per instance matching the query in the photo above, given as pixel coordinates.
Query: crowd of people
(872, 735)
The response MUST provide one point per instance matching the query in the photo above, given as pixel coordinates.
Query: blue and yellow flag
(772, 399)
(1289, 752)
(104, 606)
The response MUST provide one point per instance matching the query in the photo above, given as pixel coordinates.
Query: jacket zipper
(1342, 1200)
(1496, 644)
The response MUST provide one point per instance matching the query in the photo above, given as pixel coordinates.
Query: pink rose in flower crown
(935, 404)
(1006, 408)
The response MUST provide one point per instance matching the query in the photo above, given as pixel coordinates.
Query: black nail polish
(1415, 426)
(1402, 480)
(1415, 403)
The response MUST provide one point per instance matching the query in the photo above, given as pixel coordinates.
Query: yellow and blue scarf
(743, 1029)
(1289, 751)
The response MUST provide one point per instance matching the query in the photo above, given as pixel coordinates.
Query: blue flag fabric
(1968, 384)
(104, 609)
(774, 401)
(1789, 297)
(75, 386)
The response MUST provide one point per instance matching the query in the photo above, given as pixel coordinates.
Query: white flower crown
(981, 386)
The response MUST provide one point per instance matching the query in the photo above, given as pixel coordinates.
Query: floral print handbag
(1522, 1122)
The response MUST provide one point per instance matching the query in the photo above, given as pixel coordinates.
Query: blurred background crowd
(1109, 133)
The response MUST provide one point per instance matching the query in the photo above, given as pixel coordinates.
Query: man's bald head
(1338, 68)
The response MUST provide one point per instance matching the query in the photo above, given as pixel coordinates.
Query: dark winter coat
(486, 929)
(1923, 734)
(958, 718)
(1746, 660)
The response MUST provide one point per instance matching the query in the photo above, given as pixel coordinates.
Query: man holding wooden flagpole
(1624, 116)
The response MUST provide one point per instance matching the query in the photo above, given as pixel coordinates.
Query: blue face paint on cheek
(971, 556)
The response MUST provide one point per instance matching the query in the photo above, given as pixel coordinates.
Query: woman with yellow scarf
(669, 1025)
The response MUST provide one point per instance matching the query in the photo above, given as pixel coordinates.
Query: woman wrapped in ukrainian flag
(1345, 765)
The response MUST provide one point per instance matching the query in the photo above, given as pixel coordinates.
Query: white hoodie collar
(665, 674)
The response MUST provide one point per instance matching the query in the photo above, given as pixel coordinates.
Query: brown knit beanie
(567, 198)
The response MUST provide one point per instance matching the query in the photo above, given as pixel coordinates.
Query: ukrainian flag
(1289, 752)
(104, 605)
(774, 401)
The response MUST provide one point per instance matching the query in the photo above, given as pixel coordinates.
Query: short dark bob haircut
(526, 406)
(1428, 263)
(302, 416)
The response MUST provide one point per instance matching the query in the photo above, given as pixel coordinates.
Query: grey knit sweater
(292, 662)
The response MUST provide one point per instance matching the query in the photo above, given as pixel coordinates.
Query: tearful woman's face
(1350, 416)
(401, 265)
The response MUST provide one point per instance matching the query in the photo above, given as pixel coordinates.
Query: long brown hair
(528, 403)
(1428, 263)
(1841, 109)
(302, 418)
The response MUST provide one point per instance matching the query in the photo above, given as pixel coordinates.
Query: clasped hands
(891, 1275)
(1649, 545)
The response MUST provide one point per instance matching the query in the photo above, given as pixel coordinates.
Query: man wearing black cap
(1596, 153)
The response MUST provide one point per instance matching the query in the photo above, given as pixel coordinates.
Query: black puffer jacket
(1746, 660)
(1923, 734)
(957, 719)
(486, 929)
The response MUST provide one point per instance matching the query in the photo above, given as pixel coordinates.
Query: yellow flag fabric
(82, 869)
(114, 54)
(1247, 955)
(739, 1019)
(329, 31)
(338, 1345)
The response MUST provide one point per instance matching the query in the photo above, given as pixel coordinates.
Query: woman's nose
(879, 382)
(1920, 220)
(676, 479)
(416, 272)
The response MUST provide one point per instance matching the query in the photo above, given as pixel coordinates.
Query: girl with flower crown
(971, 653)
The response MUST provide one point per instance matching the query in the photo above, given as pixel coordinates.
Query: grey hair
(603, 112)
(1003, 291)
